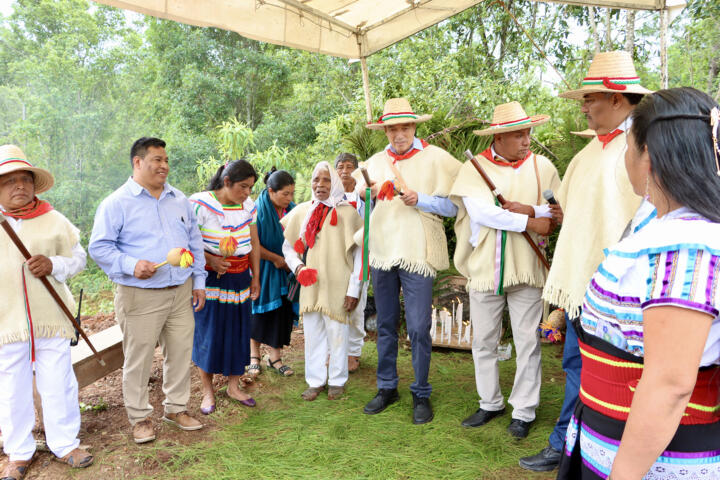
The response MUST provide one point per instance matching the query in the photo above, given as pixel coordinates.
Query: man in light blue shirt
(135, 227)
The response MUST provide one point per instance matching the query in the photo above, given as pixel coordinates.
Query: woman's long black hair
(674, 124)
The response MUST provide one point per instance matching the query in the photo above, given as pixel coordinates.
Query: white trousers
(486, 310)
(323, 335)
(58, 389)
(356, 334)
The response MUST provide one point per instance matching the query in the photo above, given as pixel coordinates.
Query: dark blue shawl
(273, 282)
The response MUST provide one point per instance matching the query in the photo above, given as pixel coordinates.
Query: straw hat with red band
(509, 117)
(611, 72)
(397, 111)
(12, 159)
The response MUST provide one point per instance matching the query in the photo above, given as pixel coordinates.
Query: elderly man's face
(344, 170)
(401, 136)
(17, 189)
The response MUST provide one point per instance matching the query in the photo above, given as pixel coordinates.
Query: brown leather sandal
(16, 469)
(78, 458)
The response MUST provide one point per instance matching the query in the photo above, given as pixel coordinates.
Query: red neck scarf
(504, 163)
(407, 154)
(605, 139)
(33, 209)
(315, 223)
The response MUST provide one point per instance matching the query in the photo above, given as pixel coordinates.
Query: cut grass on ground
(288, 438)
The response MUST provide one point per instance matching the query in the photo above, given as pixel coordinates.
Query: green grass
(288, 438)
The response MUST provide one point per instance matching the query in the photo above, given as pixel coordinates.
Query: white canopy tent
(342, 28)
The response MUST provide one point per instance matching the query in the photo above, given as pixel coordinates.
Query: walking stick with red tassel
(53, 293)
(502, 201)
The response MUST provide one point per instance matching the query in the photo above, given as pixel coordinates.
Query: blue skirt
(222, 329)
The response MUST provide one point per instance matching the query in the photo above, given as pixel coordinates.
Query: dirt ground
(105, 428)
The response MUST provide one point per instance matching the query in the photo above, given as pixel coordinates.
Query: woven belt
(237, 264)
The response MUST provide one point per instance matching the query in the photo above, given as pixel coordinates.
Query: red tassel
(607, 83)
(299, 246)
(307, 276)
(333, 217)
(387, 191)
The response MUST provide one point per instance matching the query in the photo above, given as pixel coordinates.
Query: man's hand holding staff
(502, 201)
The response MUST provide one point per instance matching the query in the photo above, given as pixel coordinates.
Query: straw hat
(587, 133)
(509, 117)
(12, 159)
(396, 111)
(611, 72)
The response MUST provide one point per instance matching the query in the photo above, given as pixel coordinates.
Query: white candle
(447, 319)
(433, 323)
(468, 331)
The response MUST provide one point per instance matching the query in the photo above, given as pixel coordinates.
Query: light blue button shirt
(427, 203)
(132, 225)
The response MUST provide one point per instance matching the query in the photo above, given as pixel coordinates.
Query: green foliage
(81, 81)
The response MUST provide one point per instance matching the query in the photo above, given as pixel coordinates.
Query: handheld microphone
(548, 195)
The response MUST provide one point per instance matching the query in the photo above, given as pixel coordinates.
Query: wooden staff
(502, 201)
(367, 181)
(53, 293)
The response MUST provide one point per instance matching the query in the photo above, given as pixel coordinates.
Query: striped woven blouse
(672, 261)
(217, 221)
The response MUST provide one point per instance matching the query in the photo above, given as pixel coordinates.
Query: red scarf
(33, 209)
(605, 139)
(407, 154)
(315, 223)
(504, 163)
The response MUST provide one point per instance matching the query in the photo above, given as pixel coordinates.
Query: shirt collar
(136, 189)
(624, 125)
(417, 144)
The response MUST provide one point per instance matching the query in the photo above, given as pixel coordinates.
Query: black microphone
(548, 195)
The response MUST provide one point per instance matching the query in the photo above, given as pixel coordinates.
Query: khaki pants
(486, 309)
(148, 317)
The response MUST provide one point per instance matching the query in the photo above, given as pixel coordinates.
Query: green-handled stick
(53, 293)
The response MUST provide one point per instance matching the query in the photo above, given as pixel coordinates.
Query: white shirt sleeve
(493, 216)
(355, 284)
(291, 256)
(67, 267)
(542, 211)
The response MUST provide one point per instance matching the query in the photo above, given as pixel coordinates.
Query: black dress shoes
(422, 410)
(383, 399)
(481, 417)
(519, 428)
(548, 459)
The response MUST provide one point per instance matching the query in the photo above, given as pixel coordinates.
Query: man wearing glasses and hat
(411, 180)
(500, 265)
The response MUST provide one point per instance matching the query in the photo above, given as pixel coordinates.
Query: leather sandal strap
(16, 470)
(77, 458)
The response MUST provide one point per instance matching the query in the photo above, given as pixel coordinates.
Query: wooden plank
(109, 344)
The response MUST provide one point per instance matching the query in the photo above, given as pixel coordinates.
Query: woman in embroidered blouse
(226, 217)
(650, 334)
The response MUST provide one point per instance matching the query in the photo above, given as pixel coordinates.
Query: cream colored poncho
(521, 264)
(403, 236)
(598, 202)
(50, 234)
(331, 256)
